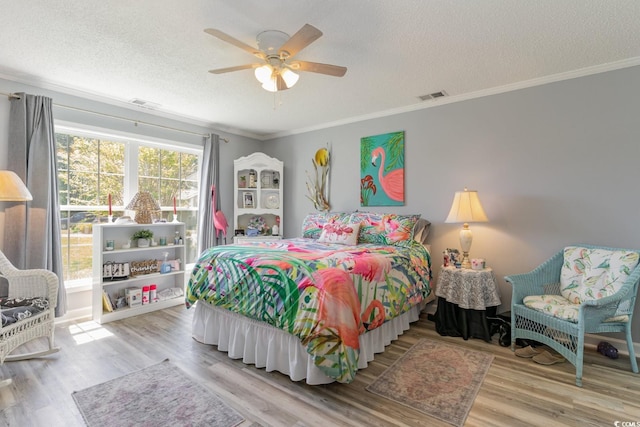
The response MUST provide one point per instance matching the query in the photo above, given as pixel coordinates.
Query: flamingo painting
(219, 220)
(393, 182)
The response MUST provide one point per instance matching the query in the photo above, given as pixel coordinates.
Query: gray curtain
(32, 229)
(209, 176)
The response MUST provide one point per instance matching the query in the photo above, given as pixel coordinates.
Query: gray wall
(236, 147)
(554, 165)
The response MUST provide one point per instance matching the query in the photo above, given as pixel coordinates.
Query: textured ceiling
(395, 51)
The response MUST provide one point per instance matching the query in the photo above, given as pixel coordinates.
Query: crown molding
(587, 71)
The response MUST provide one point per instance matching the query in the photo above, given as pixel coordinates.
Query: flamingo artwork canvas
(382, 170)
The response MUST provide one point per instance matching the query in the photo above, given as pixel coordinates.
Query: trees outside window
(92, 166)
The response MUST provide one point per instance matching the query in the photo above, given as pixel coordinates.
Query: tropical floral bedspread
(325, 294)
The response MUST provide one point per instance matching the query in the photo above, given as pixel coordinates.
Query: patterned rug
(160, 395)
(438, 379)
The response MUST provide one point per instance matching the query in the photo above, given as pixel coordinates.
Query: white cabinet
(116, 237)
(258, 184)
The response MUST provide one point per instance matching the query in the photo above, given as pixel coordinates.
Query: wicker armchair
(28, 284)
(581, 289)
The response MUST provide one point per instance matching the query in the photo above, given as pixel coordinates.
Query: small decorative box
(134, 296)
(477, 264)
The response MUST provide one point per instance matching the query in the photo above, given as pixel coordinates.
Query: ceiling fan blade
(316, 67)
(281, 85)
(303, 38)
(227, 38)
(236, 68)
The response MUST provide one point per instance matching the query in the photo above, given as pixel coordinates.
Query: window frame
(132, 142)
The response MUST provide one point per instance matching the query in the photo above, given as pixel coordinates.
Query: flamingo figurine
(393, 182)
(219, 220)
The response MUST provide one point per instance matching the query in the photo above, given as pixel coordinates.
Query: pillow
(313, 224)
(15, 309)
(384, 229)
(421, 231)
(589, 274)
(340, 233)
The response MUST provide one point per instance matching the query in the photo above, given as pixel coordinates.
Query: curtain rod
(135, 122)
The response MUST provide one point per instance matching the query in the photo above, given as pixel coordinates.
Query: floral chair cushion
(590, 274)
(16, 309)
(559, 306)
(587, 274)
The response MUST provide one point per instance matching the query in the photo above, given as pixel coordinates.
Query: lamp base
(143, 217)
(465, 260)
(465, 244)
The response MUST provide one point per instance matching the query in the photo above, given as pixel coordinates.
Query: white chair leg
(33, 355)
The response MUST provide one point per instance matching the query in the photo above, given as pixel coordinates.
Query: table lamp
(144, 204)
(466, 208)
(12, 189)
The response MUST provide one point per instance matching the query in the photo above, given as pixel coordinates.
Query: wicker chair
(581, 289)
(28, 284)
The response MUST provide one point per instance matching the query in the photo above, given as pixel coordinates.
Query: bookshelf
(117, 236)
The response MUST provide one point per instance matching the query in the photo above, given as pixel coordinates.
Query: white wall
(554, 165)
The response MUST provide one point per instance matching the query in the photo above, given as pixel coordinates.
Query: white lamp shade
(271, 85)
(290, 78)
(12, 189)
(466, 207)
(263, 74)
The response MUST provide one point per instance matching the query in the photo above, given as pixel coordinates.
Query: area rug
(435, 378)
(160, 395)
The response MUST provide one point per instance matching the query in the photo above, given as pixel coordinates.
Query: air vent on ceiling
(144, 104)
(433, 95)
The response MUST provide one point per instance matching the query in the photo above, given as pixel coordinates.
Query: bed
(318, 307)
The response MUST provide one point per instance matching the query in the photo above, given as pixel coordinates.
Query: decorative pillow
(16, 309)
(384, 229)
(337, 232)
(590, 274)
(313, 224)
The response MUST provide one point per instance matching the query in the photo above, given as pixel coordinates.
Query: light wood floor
(516, 392)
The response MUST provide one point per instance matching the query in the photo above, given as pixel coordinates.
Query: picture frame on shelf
(265, 180)
(247, 200)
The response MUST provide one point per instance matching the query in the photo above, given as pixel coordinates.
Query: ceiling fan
(277, 49)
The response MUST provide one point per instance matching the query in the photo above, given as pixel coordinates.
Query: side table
(465, 297)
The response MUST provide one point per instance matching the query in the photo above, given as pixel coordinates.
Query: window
(94, 167)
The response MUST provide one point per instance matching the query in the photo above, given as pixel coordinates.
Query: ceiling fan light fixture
(290, 78)
(277, 50)
(271, 85)
(264, 73)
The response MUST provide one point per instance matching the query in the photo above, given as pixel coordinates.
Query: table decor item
(273, 201)
(143, 237)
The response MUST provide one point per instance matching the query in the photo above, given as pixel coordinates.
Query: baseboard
(592, 340)
(83, 313)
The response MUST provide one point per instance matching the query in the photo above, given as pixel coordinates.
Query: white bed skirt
(265, 346)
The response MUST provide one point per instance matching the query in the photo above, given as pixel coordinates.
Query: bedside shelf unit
(258, 184)
(121, 234)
